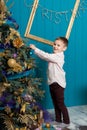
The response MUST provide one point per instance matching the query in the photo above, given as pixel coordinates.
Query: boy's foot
(61, 125)
(64, 125)
(55, 123)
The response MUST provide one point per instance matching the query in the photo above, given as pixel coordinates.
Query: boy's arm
(44, 55)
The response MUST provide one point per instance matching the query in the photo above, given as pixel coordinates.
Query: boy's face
(59, 46)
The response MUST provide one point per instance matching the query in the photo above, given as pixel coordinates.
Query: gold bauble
(17, 129)
(47, 125)
(11, 62)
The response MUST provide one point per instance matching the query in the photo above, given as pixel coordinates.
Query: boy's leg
(58, 116)
(58, 91)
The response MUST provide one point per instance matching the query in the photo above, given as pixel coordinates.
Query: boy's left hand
(32, 46)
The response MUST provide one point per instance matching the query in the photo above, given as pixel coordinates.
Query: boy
(56, 77)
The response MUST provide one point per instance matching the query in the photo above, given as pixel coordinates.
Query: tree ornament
(17, 42)
(11, 62)
(14, 55)
(17, 68)
(47, 125)
(30, 52)
(14, 65)
(28, 98)
(17, 129)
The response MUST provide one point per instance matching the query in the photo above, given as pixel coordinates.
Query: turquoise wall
(51, 20)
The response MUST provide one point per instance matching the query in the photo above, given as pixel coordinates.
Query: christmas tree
(20, 89)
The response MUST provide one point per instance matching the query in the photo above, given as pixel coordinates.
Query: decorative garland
(20, 75)
(56, 16)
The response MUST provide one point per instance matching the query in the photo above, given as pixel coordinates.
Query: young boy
(56, 77)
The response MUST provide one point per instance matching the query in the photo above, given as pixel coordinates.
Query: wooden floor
(78, 117)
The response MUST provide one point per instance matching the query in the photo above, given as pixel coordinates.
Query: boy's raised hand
(32, 46)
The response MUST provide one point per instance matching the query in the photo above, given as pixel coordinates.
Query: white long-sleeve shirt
(55, 66)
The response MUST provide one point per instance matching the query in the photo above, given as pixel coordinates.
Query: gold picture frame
(40, 39)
